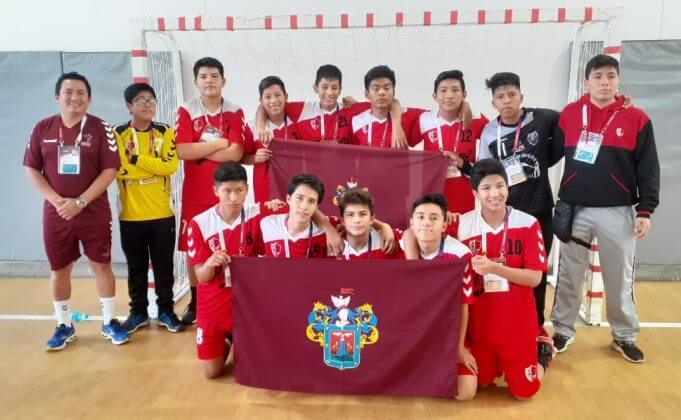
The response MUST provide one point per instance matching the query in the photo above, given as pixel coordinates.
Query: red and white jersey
(451, 137)
(195, 124)
(317, 124)
(373, 250)
(277, 243)
(503, 317)
(261, 182)
(368, 130)
(205, 230)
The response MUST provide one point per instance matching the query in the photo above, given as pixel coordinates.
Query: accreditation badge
(514, 170)
(210, 133)
(453, 171)
(228, 277)
(68, 160)
(495, 284)
(588, 147)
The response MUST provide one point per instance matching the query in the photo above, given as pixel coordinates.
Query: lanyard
(440, 139)
(80, 133)
(347, 255)
(134, 145)
(286, 239)
(221, 235)
(516, 143)
(335, 129)
(585, 120)
(205, 114)
(370, 127)
(502, 251)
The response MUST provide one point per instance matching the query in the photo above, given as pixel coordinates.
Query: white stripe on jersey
(471, 223)
(376, 244)
(452, 247)
(211, 223)
(195, 109)
(312, 110)
(362, 120)
(274, 228)
(270, 127)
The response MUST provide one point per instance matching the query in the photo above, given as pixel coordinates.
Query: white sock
(108, 309)
(62, 310)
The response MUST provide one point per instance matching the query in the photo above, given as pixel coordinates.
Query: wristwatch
(81, 202)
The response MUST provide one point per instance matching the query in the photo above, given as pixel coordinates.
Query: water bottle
(79, 316)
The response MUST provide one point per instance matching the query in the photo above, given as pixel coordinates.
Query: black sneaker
(629, 351)
(562, 342)
(170, 321)
(189, 315)
(545, 351)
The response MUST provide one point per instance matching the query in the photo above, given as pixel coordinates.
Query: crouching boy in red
(509, 259)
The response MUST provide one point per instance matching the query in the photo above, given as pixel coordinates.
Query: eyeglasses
(144, 102)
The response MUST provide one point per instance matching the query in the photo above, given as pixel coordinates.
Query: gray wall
(27, 84)
(651, 74)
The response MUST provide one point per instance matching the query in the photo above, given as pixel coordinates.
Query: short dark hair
(208, 62)
(72, 75)
(271, 81)
(486, 167)
(502, 79)
(449, 74)
(230, 171)
(357, 196)
(308, 180)
(599, 61)
(437, 199)
(135, 89)
(378, 72)
(329, 72)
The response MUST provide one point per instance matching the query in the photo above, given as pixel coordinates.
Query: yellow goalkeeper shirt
(148, 159)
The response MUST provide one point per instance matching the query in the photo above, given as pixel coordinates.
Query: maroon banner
(395, 177)
(361, 327)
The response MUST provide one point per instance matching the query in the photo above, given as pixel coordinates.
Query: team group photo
(395, 213)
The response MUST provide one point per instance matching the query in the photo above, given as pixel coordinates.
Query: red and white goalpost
(535, 43)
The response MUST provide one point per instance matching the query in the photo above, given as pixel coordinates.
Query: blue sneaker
(62, 335)
(170, 321)
(114, 332)
(135, 322)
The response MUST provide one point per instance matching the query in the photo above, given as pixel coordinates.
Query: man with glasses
(147, 222)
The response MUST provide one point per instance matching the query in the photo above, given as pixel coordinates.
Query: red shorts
(517, 362)
(188, 213)
(62, 240)
(213, 320)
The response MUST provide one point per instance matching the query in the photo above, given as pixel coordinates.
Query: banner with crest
(361, 327)
(396, 178)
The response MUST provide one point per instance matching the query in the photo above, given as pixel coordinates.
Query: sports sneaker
(629, 351)
(562, 342)
(189, 315)
(545, 351)
(134, 322)
(62, 335)
(170, 321)
(114, 331)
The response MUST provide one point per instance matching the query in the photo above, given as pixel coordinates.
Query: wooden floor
(157, 375)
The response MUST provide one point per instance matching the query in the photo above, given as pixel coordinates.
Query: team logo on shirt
(341, 331)
(533, 138)
(314, 123)
(214, 244)
(198, 125)
(475, 246)
(351, 184)
(432, 136)
(619, 131)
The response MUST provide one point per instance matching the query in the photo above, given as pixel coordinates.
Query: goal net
(537, 44)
